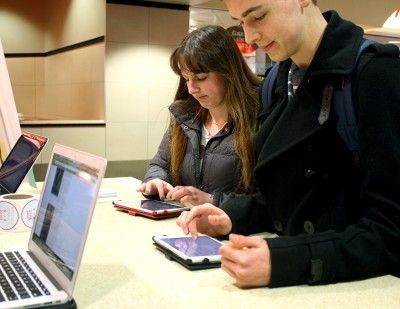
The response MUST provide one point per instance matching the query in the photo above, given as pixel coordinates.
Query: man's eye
(260, 17)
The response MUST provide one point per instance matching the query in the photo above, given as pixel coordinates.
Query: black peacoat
(338, 220)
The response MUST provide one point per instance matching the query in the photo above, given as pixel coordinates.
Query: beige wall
(44, 25)
(90, 139)
(139, 85)
(139, 82)
(73, 21)
(22, 25)
(365, 12)
(68, 85)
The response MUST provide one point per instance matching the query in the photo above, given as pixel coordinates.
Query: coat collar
(338, 48)
(186, 118)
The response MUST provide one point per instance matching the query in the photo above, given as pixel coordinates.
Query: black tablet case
(187, 263)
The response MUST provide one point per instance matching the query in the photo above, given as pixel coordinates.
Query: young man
(337, 220)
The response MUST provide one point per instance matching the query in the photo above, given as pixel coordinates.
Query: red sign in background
(238, 34)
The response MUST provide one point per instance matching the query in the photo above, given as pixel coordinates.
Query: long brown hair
(213, 49)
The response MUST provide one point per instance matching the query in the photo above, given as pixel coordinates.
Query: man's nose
(250, 35)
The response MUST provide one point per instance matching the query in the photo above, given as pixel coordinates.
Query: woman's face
(207, 88)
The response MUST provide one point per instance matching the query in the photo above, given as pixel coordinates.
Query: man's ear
(305, 3)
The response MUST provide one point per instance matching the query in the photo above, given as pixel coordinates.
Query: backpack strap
(345, 108)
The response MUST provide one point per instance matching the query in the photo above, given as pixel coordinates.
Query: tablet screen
(204, 246)
(20, 160)
(157, 205)
(151, 206)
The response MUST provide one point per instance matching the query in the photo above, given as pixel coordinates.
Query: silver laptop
(49, 266)
(19, 161)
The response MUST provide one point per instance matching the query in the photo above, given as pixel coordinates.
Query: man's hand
(206, 219)
(247, 260)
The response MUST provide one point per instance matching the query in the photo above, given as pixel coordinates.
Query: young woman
(207, 151)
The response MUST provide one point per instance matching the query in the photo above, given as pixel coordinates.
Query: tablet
(150, 208)
(19, 161)
(193, 254)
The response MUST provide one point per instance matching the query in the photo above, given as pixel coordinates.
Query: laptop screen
(19, 161)
(65, 208)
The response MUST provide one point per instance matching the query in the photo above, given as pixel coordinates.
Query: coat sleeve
(221, 197)
(371, 245)
(160, 164)
(245, 212)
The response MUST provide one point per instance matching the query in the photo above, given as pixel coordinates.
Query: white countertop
(122, 269)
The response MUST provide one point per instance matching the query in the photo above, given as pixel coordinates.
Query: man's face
(274, 25)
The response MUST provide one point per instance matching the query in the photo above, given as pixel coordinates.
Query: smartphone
(202, 251)
(151, 208)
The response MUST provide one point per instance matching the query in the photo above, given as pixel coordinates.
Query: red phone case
(153, 215)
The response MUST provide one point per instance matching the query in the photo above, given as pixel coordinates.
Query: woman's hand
(155, 186)
(188, 194)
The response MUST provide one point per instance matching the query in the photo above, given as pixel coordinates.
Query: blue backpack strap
(346, 110)
(268, 85)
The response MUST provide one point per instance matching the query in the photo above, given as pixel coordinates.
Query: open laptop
(19, 161)
(58, 234)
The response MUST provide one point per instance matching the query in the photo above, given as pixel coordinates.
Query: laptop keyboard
(17, 279)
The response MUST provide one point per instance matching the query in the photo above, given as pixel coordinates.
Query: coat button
(278, 226)
(309, 227)
(310, 173)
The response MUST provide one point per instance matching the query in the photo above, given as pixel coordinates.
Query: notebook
(59, 233)
(19, 161)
